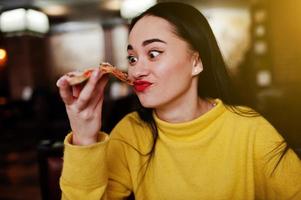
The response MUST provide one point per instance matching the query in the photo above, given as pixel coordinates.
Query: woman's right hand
(84, 107)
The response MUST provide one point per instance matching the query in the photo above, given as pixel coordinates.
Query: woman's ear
(197, 65)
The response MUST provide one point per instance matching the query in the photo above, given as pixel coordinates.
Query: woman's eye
(132, 59)
(154, 54)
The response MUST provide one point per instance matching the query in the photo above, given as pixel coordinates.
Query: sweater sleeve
(277, 175)
(84, 174)
(97, 171)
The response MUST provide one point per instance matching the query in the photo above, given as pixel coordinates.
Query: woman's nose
(138, 71)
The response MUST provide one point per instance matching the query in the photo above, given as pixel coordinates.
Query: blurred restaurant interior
(42, 39)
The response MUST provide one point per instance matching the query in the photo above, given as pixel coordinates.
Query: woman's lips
(140, 85)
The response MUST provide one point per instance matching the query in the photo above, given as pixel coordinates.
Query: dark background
(41, 119)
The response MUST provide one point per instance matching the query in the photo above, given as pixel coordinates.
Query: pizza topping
(78, 77)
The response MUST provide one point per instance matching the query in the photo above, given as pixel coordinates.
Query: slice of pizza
(78, 77)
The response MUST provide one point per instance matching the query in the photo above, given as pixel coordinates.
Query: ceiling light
(37, 21)
(13, 20)
(21, 20)
(56, 10)
(112, 5)
(3, 57)
(131, 8)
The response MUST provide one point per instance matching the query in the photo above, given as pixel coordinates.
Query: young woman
(190, 140)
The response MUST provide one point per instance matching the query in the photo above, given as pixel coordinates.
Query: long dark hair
(214, 81)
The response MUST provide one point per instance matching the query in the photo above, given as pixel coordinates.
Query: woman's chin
(146, 103)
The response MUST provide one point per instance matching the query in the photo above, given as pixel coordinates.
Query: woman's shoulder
(243, 113)
(244, 117)
(249, 119)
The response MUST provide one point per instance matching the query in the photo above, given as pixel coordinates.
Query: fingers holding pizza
(82, 93)
(72, 83)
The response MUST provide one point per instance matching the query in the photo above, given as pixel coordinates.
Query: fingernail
(58, 83)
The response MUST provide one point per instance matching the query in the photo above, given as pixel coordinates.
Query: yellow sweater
(219, 155)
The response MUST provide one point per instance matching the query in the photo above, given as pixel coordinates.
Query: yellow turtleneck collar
(189, 129)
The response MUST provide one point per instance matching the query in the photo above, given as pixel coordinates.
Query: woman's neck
(183, 112)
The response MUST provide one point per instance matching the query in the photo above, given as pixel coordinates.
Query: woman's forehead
(149, 27)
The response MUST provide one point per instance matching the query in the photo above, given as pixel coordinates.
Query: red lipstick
(140, 85)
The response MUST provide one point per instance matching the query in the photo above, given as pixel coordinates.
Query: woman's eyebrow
(146, 42)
